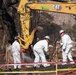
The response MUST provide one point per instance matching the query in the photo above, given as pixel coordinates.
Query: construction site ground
(55, 69)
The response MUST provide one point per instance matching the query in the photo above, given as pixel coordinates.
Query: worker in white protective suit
(16, 53)
(39, 48)
(66, 43)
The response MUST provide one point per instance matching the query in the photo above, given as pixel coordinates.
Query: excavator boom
(62, 7)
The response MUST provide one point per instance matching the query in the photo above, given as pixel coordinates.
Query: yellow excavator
(24, 9)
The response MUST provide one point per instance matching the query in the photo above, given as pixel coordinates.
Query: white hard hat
(61, 31)
(47, 37)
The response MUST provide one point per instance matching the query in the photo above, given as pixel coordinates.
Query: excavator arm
(62, 7)
(24, 10)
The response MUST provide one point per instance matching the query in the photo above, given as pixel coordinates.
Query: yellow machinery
(24, 10)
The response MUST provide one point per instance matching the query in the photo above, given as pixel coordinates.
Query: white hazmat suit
(16, 54)
(66, 48)
(38, 50)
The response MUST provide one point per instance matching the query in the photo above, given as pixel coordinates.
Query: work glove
(64, 50)
(47, 55)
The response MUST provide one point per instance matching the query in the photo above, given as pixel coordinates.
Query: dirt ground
(44, 71)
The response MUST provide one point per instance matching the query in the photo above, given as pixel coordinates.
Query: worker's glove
(47, 55)
(64, 50)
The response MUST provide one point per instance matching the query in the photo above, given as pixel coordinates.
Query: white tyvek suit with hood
(39, 53)
(66, 48)
(16, 54)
